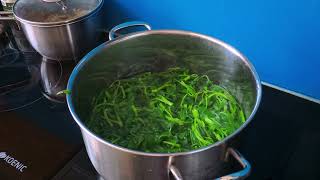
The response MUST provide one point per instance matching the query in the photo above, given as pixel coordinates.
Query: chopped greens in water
(171, 111)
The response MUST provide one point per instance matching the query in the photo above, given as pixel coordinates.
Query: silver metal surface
(6, 13)
(175, 172)
(41, 13)
(112, 33)
(69, 41)
(156, 51)
(51, 1)
(66, 42)
(7, 4)
(6, 16)
(54, 78)
(242, 174)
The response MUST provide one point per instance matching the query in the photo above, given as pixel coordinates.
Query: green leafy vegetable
(171, 111)
(64, 92)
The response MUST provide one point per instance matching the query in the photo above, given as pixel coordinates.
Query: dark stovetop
(282, 142)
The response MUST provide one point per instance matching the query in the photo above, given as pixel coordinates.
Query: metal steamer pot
(157, 50)
(59, 29)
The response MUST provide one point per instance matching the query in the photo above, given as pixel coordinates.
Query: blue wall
(281, 38)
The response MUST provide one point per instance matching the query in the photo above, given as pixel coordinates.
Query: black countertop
(282, 141)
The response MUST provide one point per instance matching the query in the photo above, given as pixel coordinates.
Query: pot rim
(58, 23)
(98, 49)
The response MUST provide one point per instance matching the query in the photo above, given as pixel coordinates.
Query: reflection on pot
(3, 37)
(54, 78)
(19, 85)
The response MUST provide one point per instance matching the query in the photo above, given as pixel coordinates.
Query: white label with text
(12, 162)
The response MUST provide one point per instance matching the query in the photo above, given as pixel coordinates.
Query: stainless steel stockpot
(157, 50)
(59, 29)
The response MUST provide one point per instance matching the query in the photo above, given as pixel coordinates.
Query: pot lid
(53, 11)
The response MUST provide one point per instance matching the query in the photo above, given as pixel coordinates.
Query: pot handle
(236, 175)
(112, 33)
(8, 16)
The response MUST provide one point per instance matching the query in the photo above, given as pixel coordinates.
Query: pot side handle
(242, 174)
(112, 33)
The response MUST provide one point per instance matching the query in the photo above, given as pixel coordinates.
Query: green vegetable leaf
(66, 91)
(170, 111)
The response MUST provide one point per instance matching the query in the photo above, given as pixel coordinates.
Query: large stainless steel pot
(156, 50)
(59, 29)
